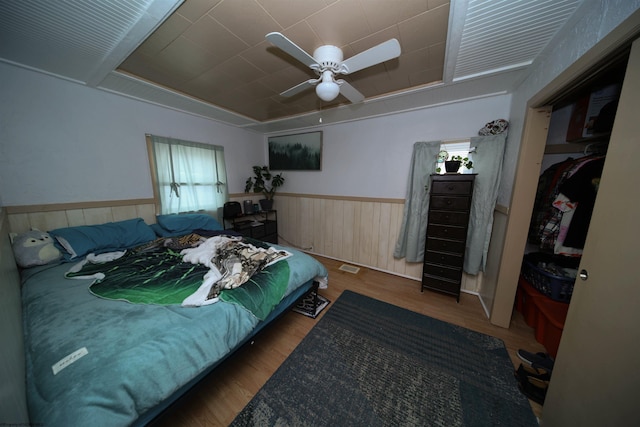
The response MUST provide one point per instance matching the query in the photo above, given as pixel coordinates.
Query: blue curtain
(411, 240)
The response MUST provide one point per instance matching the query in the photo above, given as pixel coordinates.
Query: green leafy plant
(263, 182)
(463, 160)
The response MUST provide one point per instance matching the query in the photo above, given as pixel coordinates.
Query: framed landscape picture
(301, 151)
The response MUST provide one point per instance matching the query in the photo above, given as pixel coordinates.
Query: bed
(104, 357)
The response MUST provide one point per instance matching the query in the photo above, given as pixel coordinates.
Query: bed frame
(13, 403)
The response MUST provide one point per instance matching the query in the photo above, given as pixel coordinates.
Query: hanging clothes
(581, 188)
(564, 202)
(545, 195)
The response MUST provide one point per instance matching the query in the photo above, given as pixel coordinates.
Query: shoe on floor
(534, 388)
(539, 373)
(537, 360)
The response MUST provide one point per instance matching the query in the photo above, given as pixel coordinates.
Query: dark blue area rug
(370, 363)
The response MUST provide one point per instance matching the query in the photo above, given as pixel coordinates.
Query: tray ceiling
(210, 57)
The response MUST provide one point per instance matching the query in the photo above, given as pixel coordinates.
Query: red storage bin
(525, 295)
(550, 323)
(543, 314)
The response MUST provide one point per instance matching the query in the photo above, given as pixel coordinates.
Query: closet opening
(581, 121)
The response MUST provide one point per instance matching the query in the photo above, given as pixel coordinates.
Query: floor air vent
(349, 268)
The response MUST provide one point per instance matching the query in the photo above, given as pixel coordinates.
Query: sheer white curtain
(189, 176)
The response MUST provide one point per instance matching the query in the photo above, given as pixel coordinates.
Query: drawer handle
(449, 202)
(451, 187)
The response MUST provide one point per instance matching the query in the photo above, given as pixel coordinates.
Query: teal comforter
(137, 355)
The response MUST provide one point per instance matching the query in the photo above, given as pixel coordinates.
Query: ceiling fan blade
(279, 40)
(350, 92)
(377, 54)
(299, 88)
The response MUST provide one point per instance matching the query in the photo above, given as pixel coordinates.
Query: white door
(596, 378)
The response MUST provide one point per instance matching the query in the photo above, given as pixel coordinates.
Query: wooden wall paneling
(359, 231)
(328, 222)
(75, 218)
(338, 229)
(356, 231)
(97, 216)
(348, 229)
(147, 212)
(375, 233)
(18, 223)
(385, 250)
(318, 225)
(121, 213)
(292, 220)
(281, 205)
(305, 224)
(46, 221)
(363, 248)
(288, 219)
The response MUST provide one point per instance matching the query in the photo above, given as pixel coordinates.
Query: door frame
(534, 138)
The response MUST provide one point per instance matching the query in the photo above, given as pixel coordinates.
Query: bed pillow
(76, 242)
(180, 224)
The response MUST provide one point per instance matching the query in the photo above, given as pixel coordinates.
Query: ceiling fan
(327, 62)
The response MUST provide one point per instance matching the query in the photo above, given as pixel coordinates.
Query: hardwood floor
(221, 396)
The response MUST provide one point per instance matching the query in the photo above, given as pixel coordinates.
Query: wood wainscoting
(50, 217)
(358, 230)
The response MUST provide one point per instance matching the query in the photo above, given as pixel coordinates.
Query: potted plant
(266, 183)
(452, 165)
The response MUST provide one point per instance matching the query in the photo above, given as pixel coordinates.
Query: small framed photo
(302, 151)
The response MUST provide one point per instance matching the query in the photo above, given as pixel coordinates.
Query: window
(458, 148)
(188, 176)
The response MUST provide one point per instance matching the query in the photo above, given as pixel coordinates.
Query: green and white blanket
(221, 267)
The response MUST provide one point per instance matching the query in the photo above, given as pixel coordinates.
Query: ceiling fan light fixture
(327, 91)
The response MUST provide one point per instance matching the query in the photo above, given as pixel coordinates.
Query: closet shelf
(577, 146)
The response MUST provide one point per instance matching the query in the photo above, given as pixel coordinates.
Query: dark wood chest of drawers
(448, 220)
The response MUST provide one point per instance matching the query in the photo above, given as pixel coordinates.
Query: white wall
(63, 142)
(371, 158)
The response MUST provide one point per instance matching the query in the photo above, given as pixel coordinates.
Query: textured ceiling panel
(505, 34)
(210, 58)
(219, 53)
